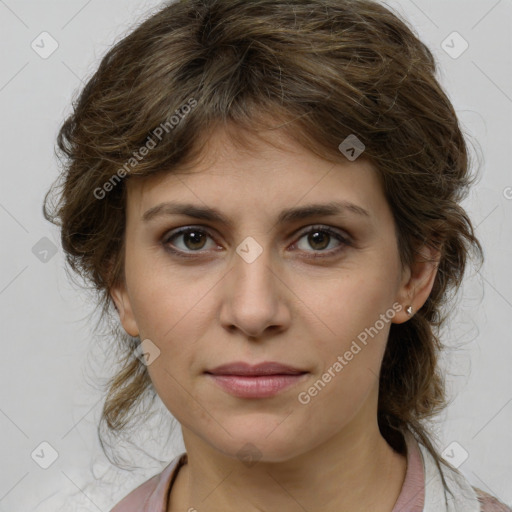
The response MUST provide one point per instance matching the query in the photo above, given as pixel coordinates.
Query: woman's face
(315, 292)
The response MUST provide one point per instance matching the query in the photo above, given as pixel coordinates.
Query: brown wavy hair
(319, 70)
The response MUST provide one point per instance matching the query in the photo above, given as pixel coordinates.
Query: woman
(268, 193)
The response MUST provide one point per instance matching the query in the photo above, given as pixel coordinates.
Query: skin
(327, 455)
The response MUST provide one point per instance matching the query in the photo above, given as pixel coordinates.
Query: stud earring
(408, 310)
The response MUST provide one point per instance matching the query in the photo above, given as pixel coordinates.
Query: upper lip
(265, 368)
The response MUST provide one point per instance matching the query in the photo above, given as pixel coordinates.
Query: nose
(255, 297)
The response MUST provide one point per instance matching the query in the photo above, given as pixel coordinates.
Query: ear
(417, 281)
(123, 305)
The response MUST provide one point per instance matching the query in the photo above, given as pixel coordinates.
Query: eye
(320, 237)
(193, 240)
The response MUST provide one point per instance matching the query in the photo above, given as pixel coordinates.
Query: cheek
(173, 309)
(358, 314)
(353, 301)
(355, 313)
(163, 295)
(173, 315)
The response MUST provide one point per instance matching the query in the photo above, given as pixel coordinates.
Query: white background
(47, 390)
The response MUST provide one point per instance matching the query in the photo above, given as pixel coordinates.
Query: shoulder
(466, 497)
(151, 494)
(136, 499)
(490, 503)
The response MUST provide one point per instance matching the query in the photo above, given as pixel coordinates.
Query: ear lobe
(418, 280)
(123, 305)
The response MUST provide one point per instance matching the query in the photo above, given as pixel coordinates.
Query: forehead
(263, 177)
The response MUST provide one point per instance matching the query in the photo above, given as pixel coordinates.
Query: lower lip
(261, 386)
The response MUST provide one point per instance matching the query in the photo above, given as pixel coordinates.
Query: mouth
(255, 381)
(241, 368)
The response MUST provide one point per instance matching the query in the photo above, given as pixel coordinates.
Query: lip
(262, 380)
(245, 369)
(262, 386)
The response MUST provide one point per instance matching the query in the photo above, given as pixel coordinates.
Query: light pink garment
(152, 495)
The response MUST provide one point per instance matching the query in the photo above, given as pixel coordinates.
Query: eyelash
(345, 242)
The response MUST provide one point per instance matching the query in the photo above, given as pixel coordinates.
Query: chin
(259, 444)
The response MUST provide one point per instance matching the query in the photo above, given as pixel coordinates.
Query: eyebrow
(286, 216)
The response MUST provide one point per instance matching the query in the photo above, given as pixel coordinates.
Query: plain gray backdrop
(46, 395)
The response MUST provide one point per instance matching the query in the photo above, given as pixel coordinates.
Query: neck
(355, 470)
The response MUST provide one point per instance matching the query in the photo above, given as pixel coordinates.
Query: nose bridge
(254, 301)
(253, 270)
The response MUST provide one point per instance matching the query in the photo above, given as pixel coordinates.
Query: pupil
(316, 238)
(194, 237)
